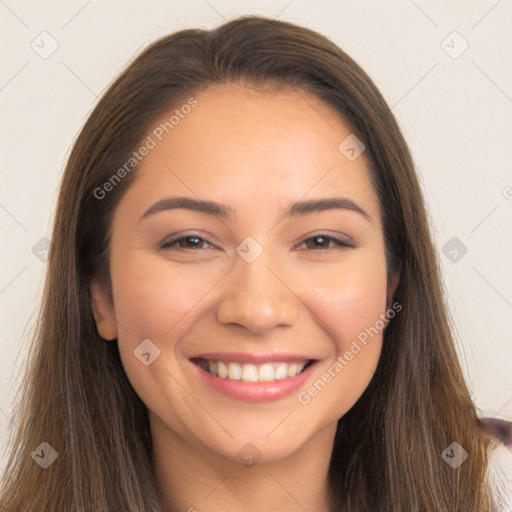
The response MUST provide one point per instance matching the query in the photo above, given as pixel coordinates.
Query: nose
(258, 297)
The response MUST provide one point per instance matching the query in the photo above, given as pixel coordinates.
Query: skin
(256, 151)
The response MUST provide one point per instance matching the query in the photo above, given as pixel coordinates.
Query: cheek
(349, 299)
(152, 299)
(349, 304)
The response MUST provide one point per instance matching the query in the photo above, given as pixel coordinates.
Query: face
(255, 288)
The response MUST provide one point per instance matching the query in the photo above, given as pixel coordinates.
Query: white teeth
(222, 370)
(248, 372)
(234, 371)
(266, 373)
(292, 369)
(281, 371)
(212, 366)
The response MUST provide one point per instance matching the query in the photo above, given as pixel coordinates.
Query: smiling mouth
(249, 372)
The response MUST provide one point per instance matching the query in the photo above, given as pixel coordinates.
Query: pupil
(322, 241)
(188, 238)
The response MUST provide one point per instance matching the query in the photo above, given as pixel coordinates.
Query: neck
(193, 478)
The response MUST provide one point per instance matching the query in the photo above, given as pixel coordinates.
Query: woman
(243, 308)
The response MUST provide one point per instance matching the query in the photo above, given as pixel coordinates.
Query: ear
(103, 311)
(392, 284)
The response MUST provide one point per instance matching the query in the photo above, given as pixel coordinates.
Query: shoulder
(500, 474)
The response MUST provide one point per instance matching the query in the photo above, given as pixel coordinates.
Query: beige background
(455, 108)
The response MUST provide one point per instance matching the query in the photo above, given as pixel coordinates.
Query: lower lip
(255, 391)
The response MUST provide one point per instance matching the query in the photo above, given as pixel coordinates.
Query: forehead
(245, 144)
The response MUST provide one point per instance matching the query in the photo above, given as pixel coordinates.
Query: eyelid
(340, 242)
(178, 236)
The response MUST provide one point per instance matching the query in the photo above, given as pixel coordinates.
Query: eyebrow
(226, 212)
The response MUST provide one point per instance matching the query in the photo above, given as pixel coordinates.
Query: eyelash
(340, 243)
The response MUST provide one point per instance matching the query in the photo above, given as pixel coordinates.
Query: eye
(322, 242)
(185, 242)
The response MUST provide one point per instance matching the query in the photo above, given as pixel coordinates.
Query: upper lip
(241, 357)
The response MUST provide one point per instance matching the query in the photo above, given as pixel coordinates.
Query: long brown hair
(76, 396)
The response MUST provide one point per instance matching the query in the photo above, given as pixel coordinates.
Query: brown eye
(192, 242)
(322, 242)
